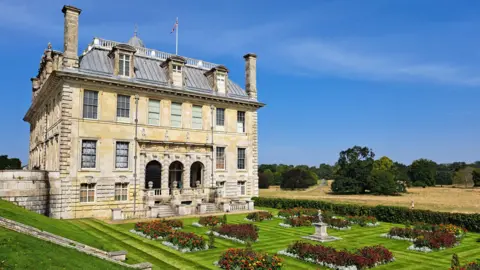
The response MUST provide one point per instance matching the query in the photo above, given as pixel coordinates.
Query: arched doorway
(153, 172)
(196, 174)
(175, 173)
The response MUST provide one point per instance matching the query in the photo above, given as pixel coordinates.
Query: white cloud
(315, 56)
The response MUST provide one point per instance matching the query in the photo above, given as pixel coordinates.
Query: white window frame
(82, 154)
(176, 68)
(217, 158)
(123, 118)
(171, 114)
(121, 192)
(150, 112)
(244, 158)
(241, 126)
(242, 188)
(221, 84)
(124, 64)
(128, 155)
(87, 187)
(90, 105)
(201, 117)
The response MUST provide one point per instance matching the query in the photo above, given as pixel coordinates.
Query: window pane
(154, 112)
(220, 117)
(176, 115)
(89, 152)
(121, 158)
(123, 106)
(241, 158)
(197, 117)
(220, 158)
(240, 122)
(90, 104)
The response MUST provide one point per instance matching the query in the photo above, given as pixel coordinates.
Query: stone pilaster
(70, 39)
(254, 141)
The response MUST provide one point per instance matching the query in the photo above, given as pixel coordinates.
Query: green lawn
(19, 251)
(272, 239)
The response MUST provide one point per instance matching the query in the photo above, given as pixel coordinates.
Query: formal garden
(368, 238)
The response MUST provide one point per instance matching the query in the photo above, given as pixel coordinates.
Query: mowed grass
(19, 251)
(447, 199)
(273, 238)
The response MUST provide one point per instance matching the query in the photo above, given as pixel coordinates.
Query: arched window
(175, 174)
(153, 173)
(196, 173)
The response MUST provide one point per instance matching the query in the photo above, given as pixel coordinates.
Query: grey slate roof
(96, 61)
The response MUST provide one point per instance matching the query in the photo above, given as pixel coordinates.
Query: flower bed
(424, 241)
(241, 232)
(153, 229)
(196, 224)
(298, 211)
(366, 257)
(243, 259)
(338, 224)
(450, 228)
(259, 216)
(185, 242)
(468, 266)
(174, 223)
(300, 221)
(284, 225)
(210, 221)
(363, 221)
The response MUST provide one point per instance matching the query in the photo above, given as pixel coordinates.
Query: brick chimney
(70, 39)
(251, 74)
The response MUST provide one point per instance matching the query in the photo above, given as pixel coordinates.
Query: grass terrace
(273, 238)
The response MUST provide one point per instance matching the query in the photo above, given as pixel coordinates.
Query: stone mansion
(124, 131)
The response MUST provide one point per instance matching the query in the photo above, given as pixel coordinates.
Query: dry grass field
(446, 199)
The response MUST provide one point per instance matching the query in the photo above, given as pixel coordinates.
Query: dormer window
(173, 67)
(123, 60)
(221, 83)
(217, 77)
(177, 69)
(124, 65)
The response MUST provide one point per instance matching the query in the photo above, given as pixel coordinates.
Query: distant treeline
(421, 172)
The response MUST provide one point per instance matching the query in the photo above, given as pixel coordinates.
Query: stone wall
(29, 189)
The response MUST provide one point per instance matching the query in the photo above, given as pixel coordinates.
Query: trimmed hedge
(392, 214)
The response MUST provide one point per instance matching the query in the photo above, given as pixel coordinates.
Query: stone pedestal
(202, 208)
(321, 234)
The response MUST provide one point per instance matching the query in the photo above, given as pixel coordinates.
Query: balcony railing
(238, 207)
(151, 53)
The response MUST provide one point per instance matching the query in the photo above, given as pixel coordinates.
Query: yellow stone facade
(58, 127)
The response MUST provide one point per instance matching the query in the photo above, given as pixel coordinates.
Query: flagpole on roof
(176, 38)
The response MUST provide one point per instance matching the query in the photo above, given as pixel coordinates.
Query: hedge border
(391, 214)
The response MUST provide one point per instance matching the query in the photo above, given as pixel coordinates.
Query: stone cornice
(48, 86)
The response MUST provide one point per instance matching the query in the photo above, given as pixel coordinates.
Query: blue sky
(401, 77)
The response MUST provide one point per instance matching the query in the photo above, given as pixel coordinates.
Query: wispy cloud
(315, 56)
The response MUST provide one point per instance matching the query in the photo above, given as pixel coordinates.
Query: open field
(272, 239)
(19, 251)
(447, 199)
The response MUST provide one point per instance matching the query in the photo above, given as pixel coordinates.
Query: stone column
(251, 75)
(70, 39)
(164, 181)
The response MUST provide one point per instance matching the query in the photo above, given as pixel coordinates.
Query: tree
(463, 177)
(263, 181)
(382, 182)
(298, 178)
(383, 164)
(277, 178)
(354, 167)
(325, 171)
(269, 174)
(423, 170)
(476, 177)
(444, 178)
(347, 185)
(9, 163)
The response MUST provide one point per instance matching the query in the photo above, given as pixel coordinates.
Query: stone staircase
(165, 210)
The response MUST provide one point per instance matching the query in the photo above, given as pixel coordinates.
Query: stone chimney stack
(251, 74)
(70, 39)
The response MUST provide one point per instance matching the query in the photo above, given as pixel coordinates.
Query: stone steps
(165, 211)
(211, 208)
